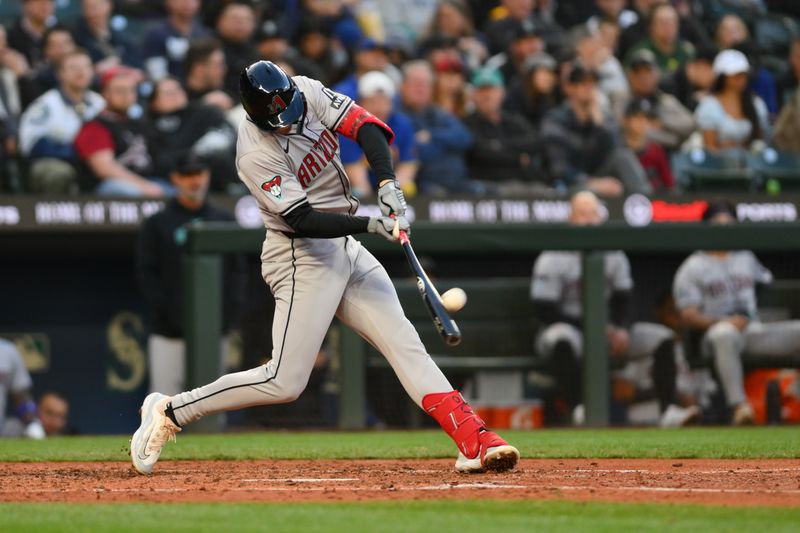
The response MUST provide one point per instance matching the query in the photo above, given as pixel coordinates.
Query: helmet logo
(277, 106)
(273, 187)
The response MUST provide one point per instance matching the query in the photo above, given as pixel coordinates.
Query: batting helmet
(270, 97)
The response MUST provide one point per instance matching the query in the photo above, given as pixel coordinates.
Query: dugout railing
(207, 242)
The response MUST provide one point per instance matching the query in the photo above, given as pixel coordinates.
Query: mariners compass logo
(273, 187)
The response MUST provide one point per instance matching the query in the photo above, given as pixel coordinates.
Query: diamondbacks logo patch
(273, 187)
(277, 105)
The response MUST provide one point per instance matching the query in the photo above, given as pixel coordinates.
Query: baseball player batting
(288, 157)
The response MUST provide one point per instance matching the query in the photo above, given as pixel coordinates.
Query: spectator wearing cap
(674, 123)
(582, 146)
(453, 20)
(521, 13)
(49, 125)
(108, 43)
(113, 146)
(369, 55)
(159, 252)
(25, 36)
(376, 94)
(505, 147)
(639, 120)
(591, 50)
(731, 117)
(535, 93)
(166, 43)
(733, 33)
(235, 27)
(272, 44)
(442, 140)
(524, 42)
(693, 82)
(177, 126)
(450, 91)
(205, 74)
(664, 40)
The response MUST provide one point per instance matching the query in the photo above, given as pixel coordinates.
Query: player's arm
(374, 137)
(306, 221)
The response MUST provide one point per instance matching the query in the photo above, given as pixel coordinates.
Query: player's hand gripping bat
(445, 325)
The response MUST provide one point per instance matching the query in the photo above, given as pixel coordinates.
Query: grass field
(409, 516)
(711, 443)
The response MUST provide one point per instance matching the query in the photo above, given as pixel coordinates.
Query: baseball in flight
(454, 299)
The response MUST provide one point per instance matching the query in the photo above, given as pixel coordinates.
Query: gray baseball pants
(724, 343)
(314, 280)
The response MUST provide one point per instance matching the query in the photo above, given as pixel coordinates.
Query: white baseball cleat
(676, 416)
(495, 455)
(154, 432)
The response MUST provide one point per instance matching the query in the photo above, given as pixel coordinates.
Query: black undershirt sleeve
(306, 221)
(372, 140)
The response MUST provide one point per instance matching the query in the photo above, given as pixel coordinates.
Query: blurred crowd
(485, 97)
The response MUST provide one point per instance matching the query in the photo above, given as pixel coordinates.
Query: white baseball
(454, 299)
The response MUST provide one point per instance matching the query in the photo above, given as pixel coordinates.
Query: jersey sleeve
(20, 378)
(328, 105)
(685, 288)
(92, 138)
(271, 182)
(546, 284)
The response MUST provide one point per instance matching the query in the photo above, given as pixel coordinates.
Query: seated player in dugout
(288, 157)
(556, 292)
(715, 292)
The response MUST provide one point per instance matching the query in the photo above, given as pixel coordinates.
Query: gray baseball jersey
(14, 377)
(720, 286)
(312, 280)
(284, 171)
(557, 277)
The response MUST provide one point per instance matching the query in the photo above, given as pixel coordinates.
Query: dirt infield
(725, 482)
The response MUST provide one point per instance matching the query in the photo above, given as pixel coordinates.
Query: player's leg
(307, 286)
(560, 345)
(656, 341)
(725, 343)
(370, 306)
(307, 282)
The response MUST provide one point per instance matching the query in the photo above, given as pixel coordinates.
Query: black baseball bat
(445, 325)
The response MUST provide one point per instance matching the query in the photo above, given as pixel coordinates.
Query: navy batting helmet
(270, 97)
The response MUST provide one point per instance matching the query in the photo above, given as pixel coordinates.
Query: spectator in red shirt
(114, 146)
(638, 121)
